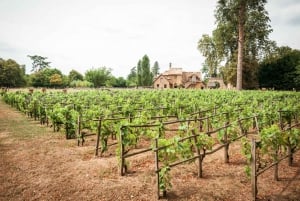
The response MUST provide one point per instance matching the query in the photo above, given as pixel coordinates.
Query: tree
(132, 77)
(146, 74)
(39, 63)
(116, 82)
(208, 47)
(75, 75)
(241, 38)
(42, 78)
(11, 73)
(55, 80)
(139, 73)
(155, 69)
(241, 28)
(98, 76)
(281, 70)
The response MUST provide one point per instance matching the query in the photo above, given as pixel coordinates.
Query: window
(165, 86)
(157, 86)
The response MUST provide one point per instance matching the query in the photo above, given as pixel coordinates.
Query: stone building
(177, 78)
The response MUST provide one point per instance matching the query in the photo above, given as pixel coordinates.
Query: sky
(86, 34)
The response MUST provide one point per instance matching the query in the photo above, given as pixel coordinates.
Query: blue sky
(81, 34)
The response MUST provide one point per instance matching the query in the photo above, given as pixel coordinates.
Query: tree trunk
(239, 79)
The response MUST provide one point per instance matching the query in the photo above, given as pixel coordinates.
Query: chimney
(170, 65)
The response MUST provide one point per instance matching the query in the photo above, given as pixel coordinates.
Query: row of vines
(178, 126)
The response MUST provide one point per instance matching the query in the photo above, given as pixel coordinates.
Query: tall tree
(155, 69)
(146, 74)
(132, 77)
(241, 38)
(208, 47)
(139, 73)
(39, 63)
(241, 28)
(98, 76)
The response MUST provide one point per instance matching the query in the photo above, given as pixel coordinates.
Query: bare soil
(38, 164)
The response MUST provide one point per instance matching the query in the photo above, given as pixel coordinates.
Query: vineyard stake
(98, 136)
(157, 167)
(253, 170)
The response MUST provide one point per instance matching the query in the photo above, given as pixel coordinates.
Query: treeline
(42, 74)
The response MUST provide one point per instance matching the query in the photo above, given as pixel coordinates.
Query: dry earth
(38, 164)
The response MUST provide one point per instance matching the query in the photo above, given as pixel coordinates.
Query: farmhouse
(177, 78)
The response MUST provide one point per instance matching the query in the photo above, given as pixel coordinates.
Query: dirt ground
(38, 164)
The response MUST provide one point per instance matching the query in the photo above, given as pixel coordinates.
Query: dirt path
(37, 164)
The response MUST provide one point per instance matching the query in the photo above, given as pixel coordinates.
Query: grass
(18, 125)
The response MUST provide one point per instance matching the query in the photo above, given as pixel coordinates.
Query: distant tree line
(42, 74)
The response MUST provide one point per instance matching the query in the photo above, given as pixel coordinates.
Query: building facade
(177, 78)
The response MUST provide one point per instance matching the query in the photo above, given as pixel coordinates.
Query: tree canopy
(11, 73)
(281, 70)
(144, 75)
(39, 63)
(155, 69)
(132, 77)
(98, 76)
(75, 75)
(240, 39)
(47, 77)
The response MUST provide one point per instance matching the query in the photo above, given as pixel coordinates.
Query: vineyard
(175, 126)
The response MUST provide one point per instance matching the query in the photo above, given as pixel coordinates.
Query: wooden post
(123, 166)
(226, 147)
(78, 129)
(289, 147)
(157, 167)
(98, 136)
(200, 171)
(280, 120)
(253, 170)
(207, 122)
(276, 166)
(200, 157)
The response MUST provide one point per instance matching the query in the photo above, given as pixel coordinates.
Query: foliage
(11, 74)
(139, 107)
(98, 76)
(242, 24)
(246, 151)
(74, 75)
(55, 80)
(280, 70)
(155, 69)
(80, 84)
(132, 77)
(144, 76)
(42, 78)
(39, 63)
(208, 47)
(165, 178)
(271, 139)
(116, 82)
